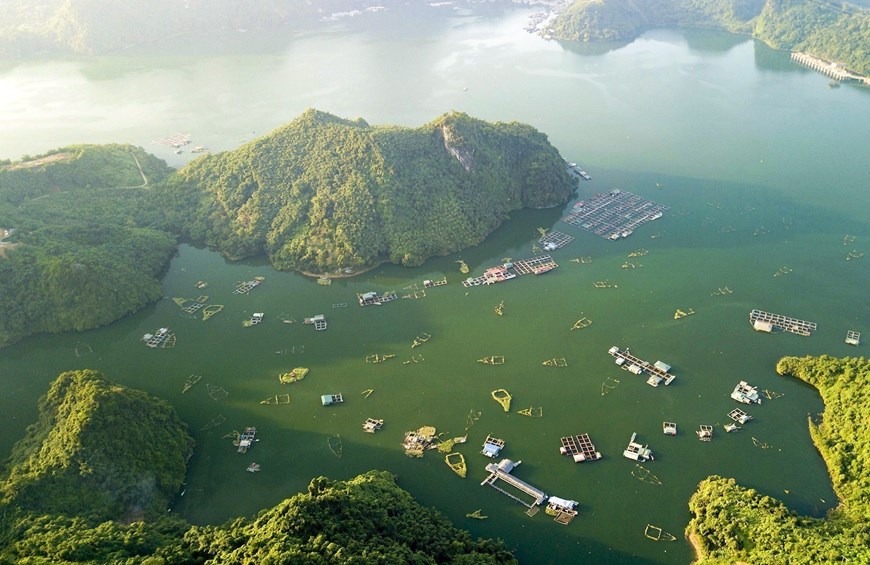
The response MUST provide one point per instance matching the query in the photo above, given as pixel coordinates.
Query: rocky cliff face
(453, 143)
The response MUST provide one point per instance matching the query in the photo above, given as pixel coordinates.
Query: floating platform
(254, 320)
(189, 382)
(580, 448)
(614, 215)
(211, 310)
(581, 324)
(247, 286)
(659, 372)
(175, 140)
(456, 462)
(510, 270)
(739, 416)
(669, 428)
(535, 266)
(328, 399)
(318, 321)
(502, 471)
(420, 340)
(563, 511)
(432, 284)
(853, 338)
(247, 439)
(555, 240)
(375, 299)
(556, 362)
(746, 394)
(705, 432)
(492, 360)
(636, 451)
(766, 322)
(503, 397)
(492, 446)
(378, 358)
(532, 411)
(371, 425)
(293, 376)
(417, 441)
(683, 313)
(163, 337)
(278, 399)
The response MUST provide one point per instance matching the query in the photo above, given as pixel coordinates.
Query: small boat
(503, 397)
(293, 376)
(253, 468)
(456, 462)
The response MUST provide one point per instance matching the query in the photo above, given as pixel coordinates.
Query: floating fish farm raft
(614, 215)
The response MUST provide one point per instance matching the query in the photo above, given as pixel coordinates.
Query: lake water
(763, 165)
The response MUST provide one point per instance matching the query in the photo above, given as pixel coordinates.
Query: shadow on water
(592, 48)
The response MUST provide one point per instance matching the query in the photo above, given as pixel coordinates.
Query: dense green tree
(731, 523)
(832, 30)
(324, 193)
(98, 450)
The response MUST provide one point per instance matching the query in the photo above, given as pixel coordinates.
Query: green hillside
(82, 253)
(324, 193)
(733, 524)
(835, 31)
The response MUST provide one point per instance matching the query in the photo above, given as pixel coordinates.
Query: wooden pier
(766, 322)
(831, 70)
(502, 471)
(614, 215)
(659, 372)
(580, 448)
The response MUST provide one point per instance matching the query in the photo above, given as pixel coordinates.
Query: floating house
(328, 399)
(246, 439)
(746, 394)
(636, 451)
(318, 321)
(371, 425)
(562, 510)
(492, 446)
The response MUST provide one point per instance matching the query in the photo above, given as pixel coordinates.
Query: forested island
(733, 524)
(835, 31)
(92, 227)
(92, 481)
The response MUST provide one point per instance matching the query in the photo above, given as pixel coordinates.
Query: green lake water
(763, 165)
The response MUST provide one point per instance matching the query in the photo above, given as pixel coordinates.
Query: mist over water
(763, 165)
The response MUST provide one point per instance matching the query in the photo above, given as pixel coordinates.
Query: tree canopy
(731, 523)
(835, 31)
(324, 193)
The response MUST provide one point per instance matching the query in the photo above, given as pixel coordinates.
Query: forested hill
(99, 451)
(732, 524)
(829, 29)
(85, 27)
(82, 252)
(91, 482)
(324, 193)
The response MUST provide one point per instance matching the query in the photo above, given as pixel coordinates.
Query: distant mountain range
(831, 30)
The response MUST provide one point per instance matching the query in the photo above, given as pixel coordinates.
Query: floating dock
(246, 439)
(371, 425)
(637, 451)
(746, 394)
(375, 299)
(739, 416)
(492, 446)
(853, 338)
(555, 240)
(614, 215)
(659, 372)
(580, 448)
(510, 270)
(245, 287)
(766, 322)
(502, 471)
